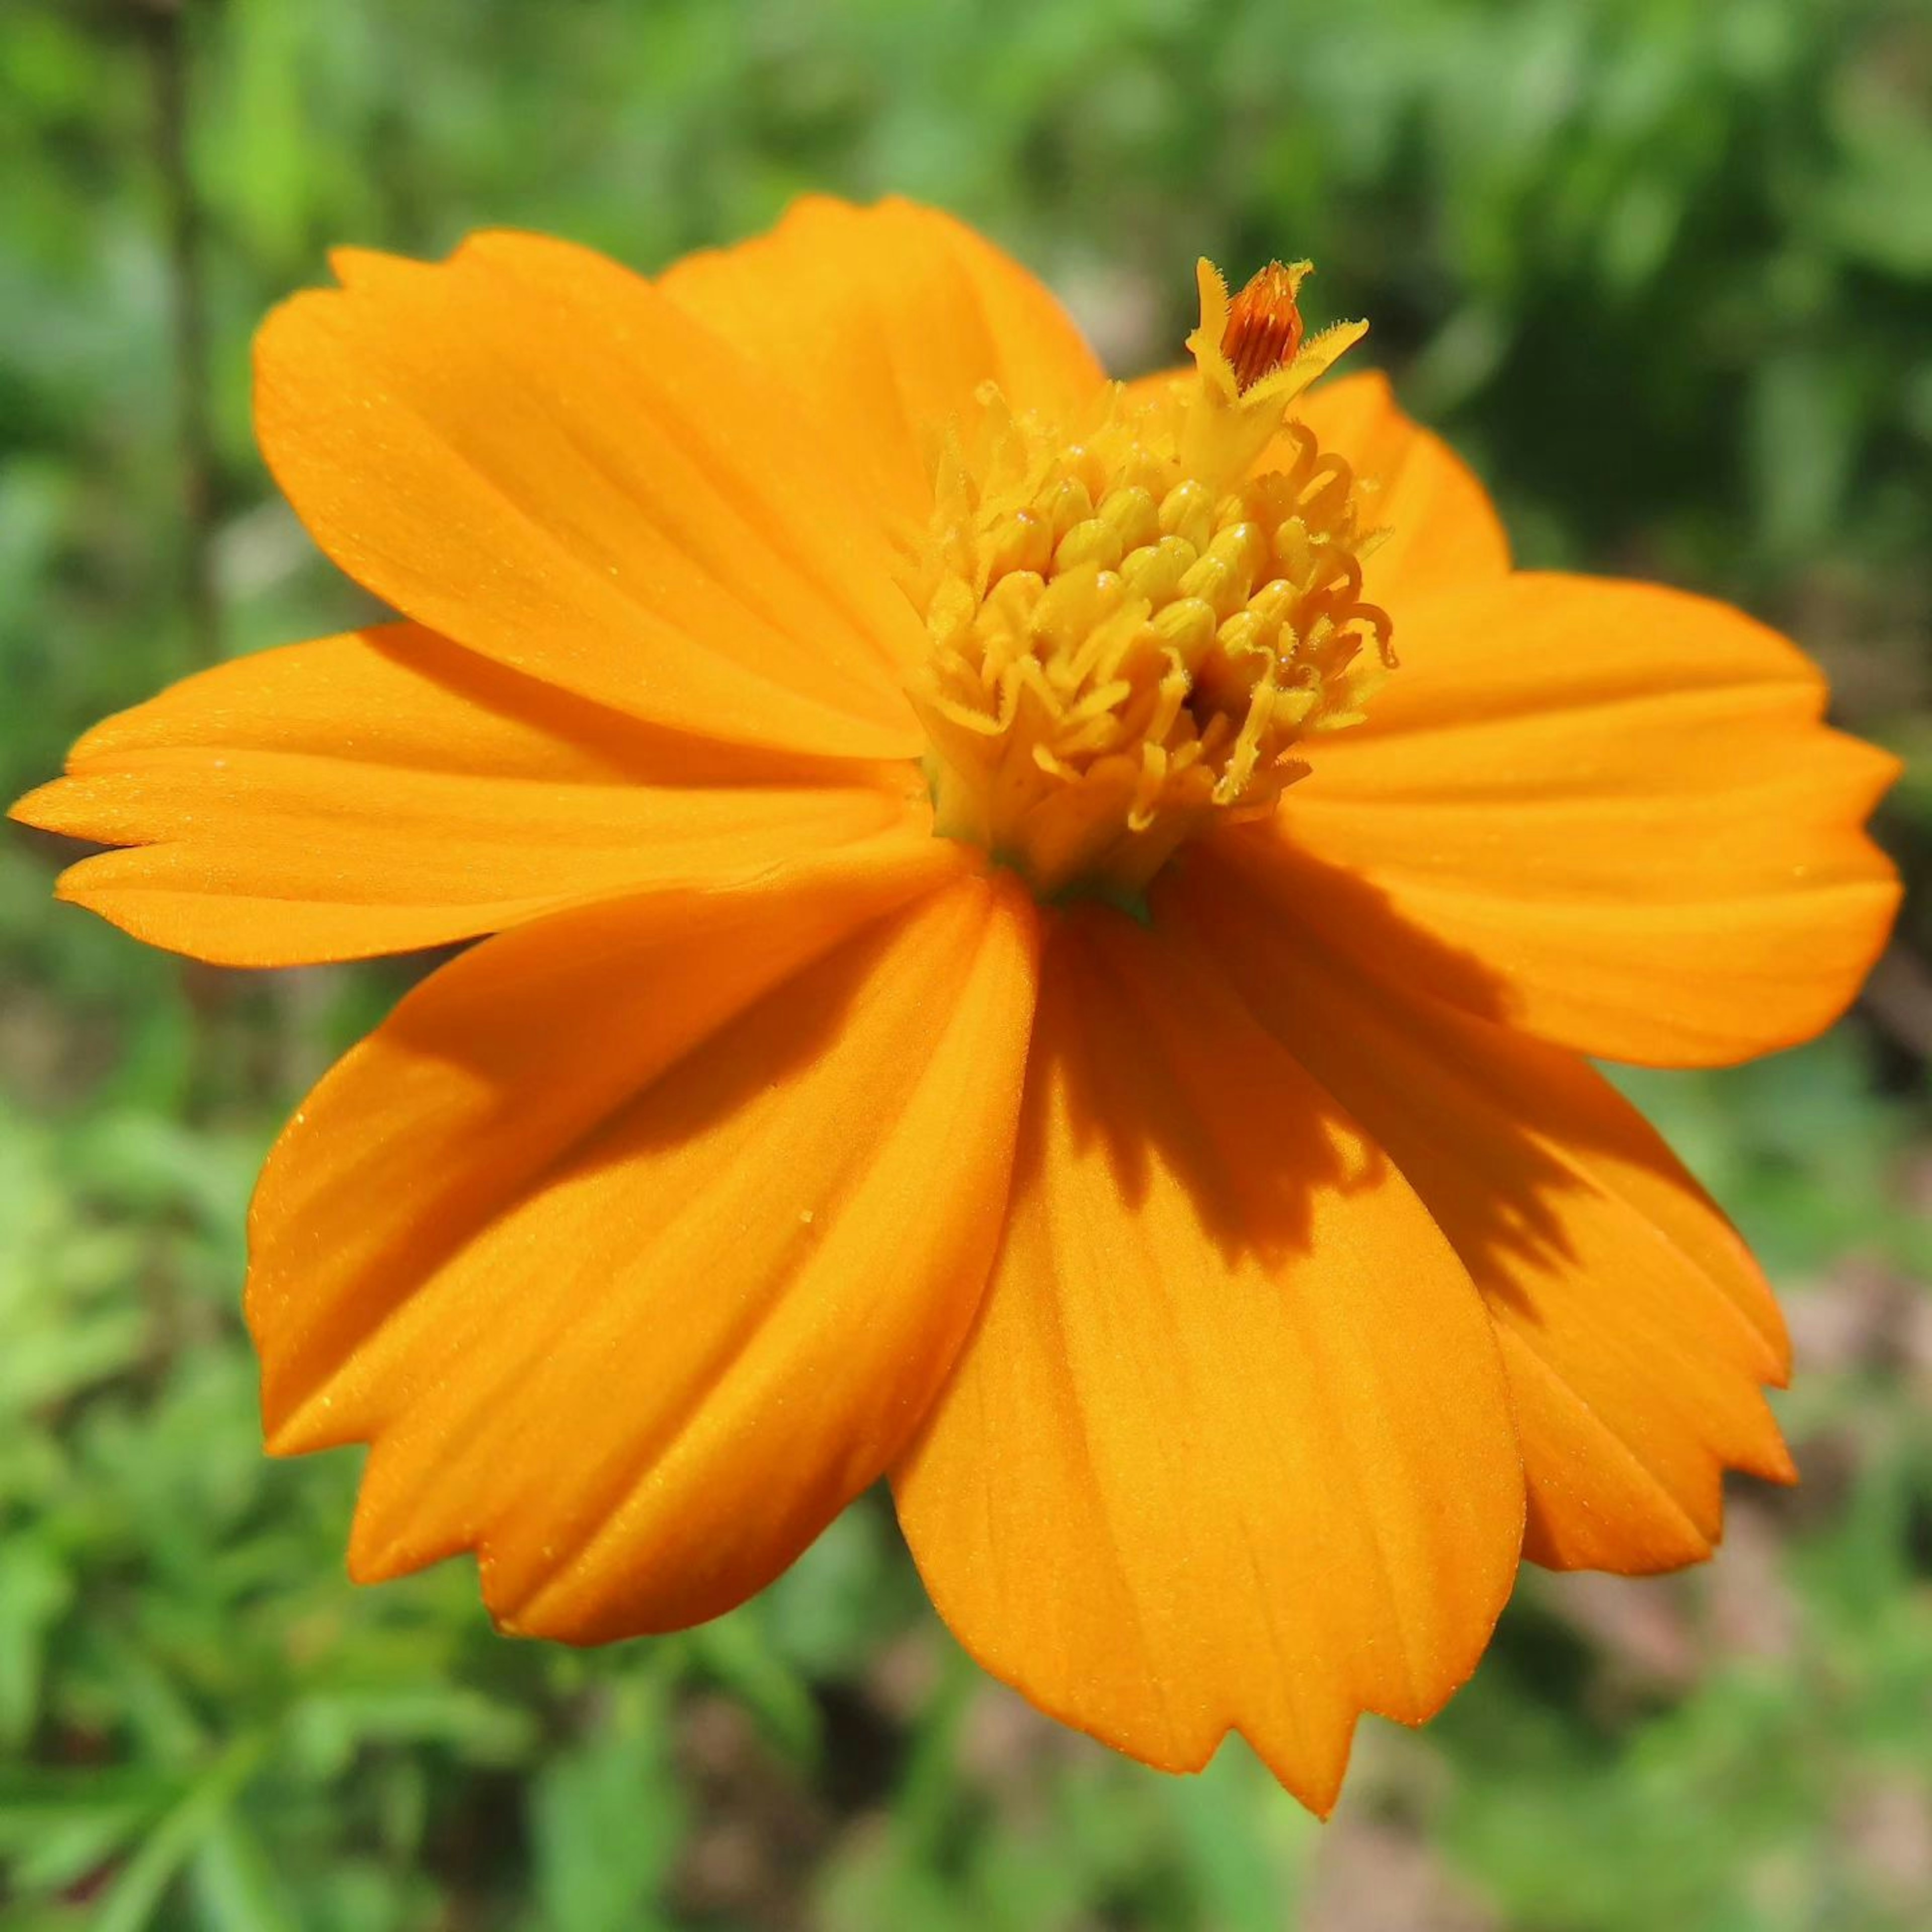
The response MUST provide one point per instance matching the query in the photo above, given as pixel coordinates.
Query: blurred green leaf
(607, 1818)
(132, 1900)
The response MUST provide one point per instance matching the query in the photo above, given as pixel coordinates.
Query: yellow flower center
(1136, 618)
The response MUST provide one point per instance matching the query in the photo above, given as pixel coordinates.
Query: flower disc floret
(1133, 625)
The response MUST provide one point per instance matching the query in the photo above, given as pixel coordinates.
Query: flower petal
(1635, 1327)
(1229, 1446)
(883, 322)
(638, 1241)
(1617, 798)
(531, 450)
(387, 789)
(1443, 531)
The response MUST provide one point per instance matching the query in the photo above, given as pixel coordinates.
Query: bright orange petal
(883, 322)
(1442, 531)
(1229, 1446)
(387, 789)
(1615, 802)
(533, 450)
(1635, 1328)
(638, 1241)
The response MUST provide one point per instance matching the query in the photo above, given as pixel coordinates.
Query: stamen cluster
(1127, 646)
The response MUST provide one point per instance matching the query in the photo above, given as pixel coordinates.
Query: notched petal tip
(360, 270)
(1883, 768)
(1232, 1511)
(782, 1014)
(40, 810)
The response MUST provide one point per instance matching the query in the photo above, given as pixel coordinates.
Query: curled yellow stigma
(1135, 619)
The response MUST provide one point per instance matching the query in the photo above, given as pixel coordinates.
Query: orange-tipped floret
(1264, 329)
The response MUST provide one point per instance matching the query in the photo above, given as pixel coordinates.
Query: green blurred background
(1662, 271)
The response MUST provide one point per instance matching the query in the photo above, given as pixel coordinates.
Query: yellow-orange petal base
(1037, 939)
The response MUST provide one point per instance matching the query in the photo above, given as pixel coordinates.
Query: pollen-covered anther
(1263, 326)
(1125, 650)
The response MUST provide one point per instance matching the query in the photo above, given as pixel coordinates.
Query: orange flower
(1181, 1177)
